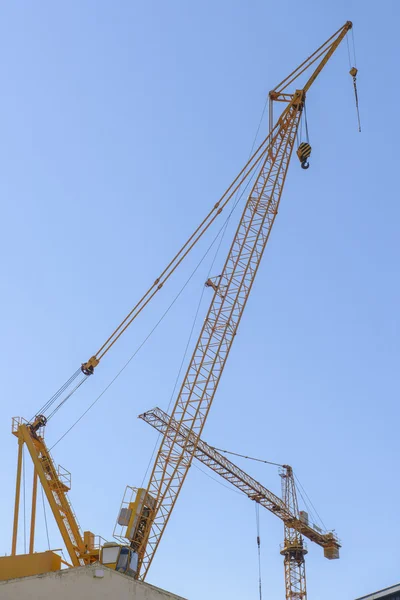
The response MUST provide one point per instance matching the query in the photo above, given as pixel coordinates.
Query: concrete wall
(82, 583)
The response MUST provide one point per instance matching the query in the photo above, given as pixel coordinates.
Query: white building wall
(82, 583)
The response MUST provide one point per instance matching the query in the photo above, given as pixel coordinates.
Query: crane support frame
(55, 483)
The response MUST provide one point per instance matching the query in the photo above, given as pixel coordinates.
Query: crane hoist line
(148, 515)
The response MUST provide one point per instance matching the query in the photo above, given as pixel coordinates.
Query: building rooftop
(94, 582)
(390, 593)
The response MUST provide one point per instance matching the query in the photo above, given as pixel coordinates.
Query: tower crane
(285, 508)
(293, 548)
(268, 166)
(231, 290)
(83, 548)
(296, 524)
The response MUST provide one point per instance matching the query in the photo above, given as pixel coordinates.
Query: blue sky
(122, 123)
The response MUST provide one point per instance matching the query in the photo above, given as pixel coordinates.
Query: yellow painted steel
(26, 565)
(143, 504)
(304, 151)
(221, 465)
(33, 512)
(294, 548)
(325, 51)
(253, 162)
(17, 497)
(286, 508)
(55, 484)
(230, 295)
(220, 325)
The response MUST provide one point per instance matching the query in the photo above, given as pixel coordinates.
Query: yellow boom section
(56, 483)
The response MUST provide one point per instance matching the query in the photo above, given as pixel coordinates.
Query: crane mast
(231, 290)
(294, 549)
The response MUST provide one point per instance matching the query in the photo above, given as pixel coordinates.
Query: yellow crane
(284, 508)
(231, 290)
(55, 482)
(296, 524)
(268, 165)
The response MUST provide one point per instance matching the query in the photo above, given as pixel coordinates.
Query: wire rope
(267, 462)
(306, 122)
(140, 346)
(62, 389)
(50, 402)
(152, 330)
(257, 507)
(348, 50)
(223, 230)
(176, 379)
(316, 512)
(309, 509)
(57, 408)
(217, 480)
(183, 360)
(354, 46)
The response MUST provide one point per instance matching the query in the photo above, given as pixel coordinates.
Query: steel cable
(316, 512)
(62, 389)
(267, 462)
(155, 326)
(84, 378)
(257, 507)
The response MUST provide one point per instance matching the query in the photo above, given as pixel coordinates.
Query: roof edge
(381, 593)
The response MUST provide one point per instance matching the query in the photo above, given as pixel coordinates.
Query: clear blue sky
(122, 123)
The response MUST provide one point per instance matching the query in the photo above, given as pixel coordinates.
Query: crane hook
(304, 152)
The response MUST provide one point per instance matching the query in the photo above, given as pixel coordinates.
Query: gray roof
(381, 593)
